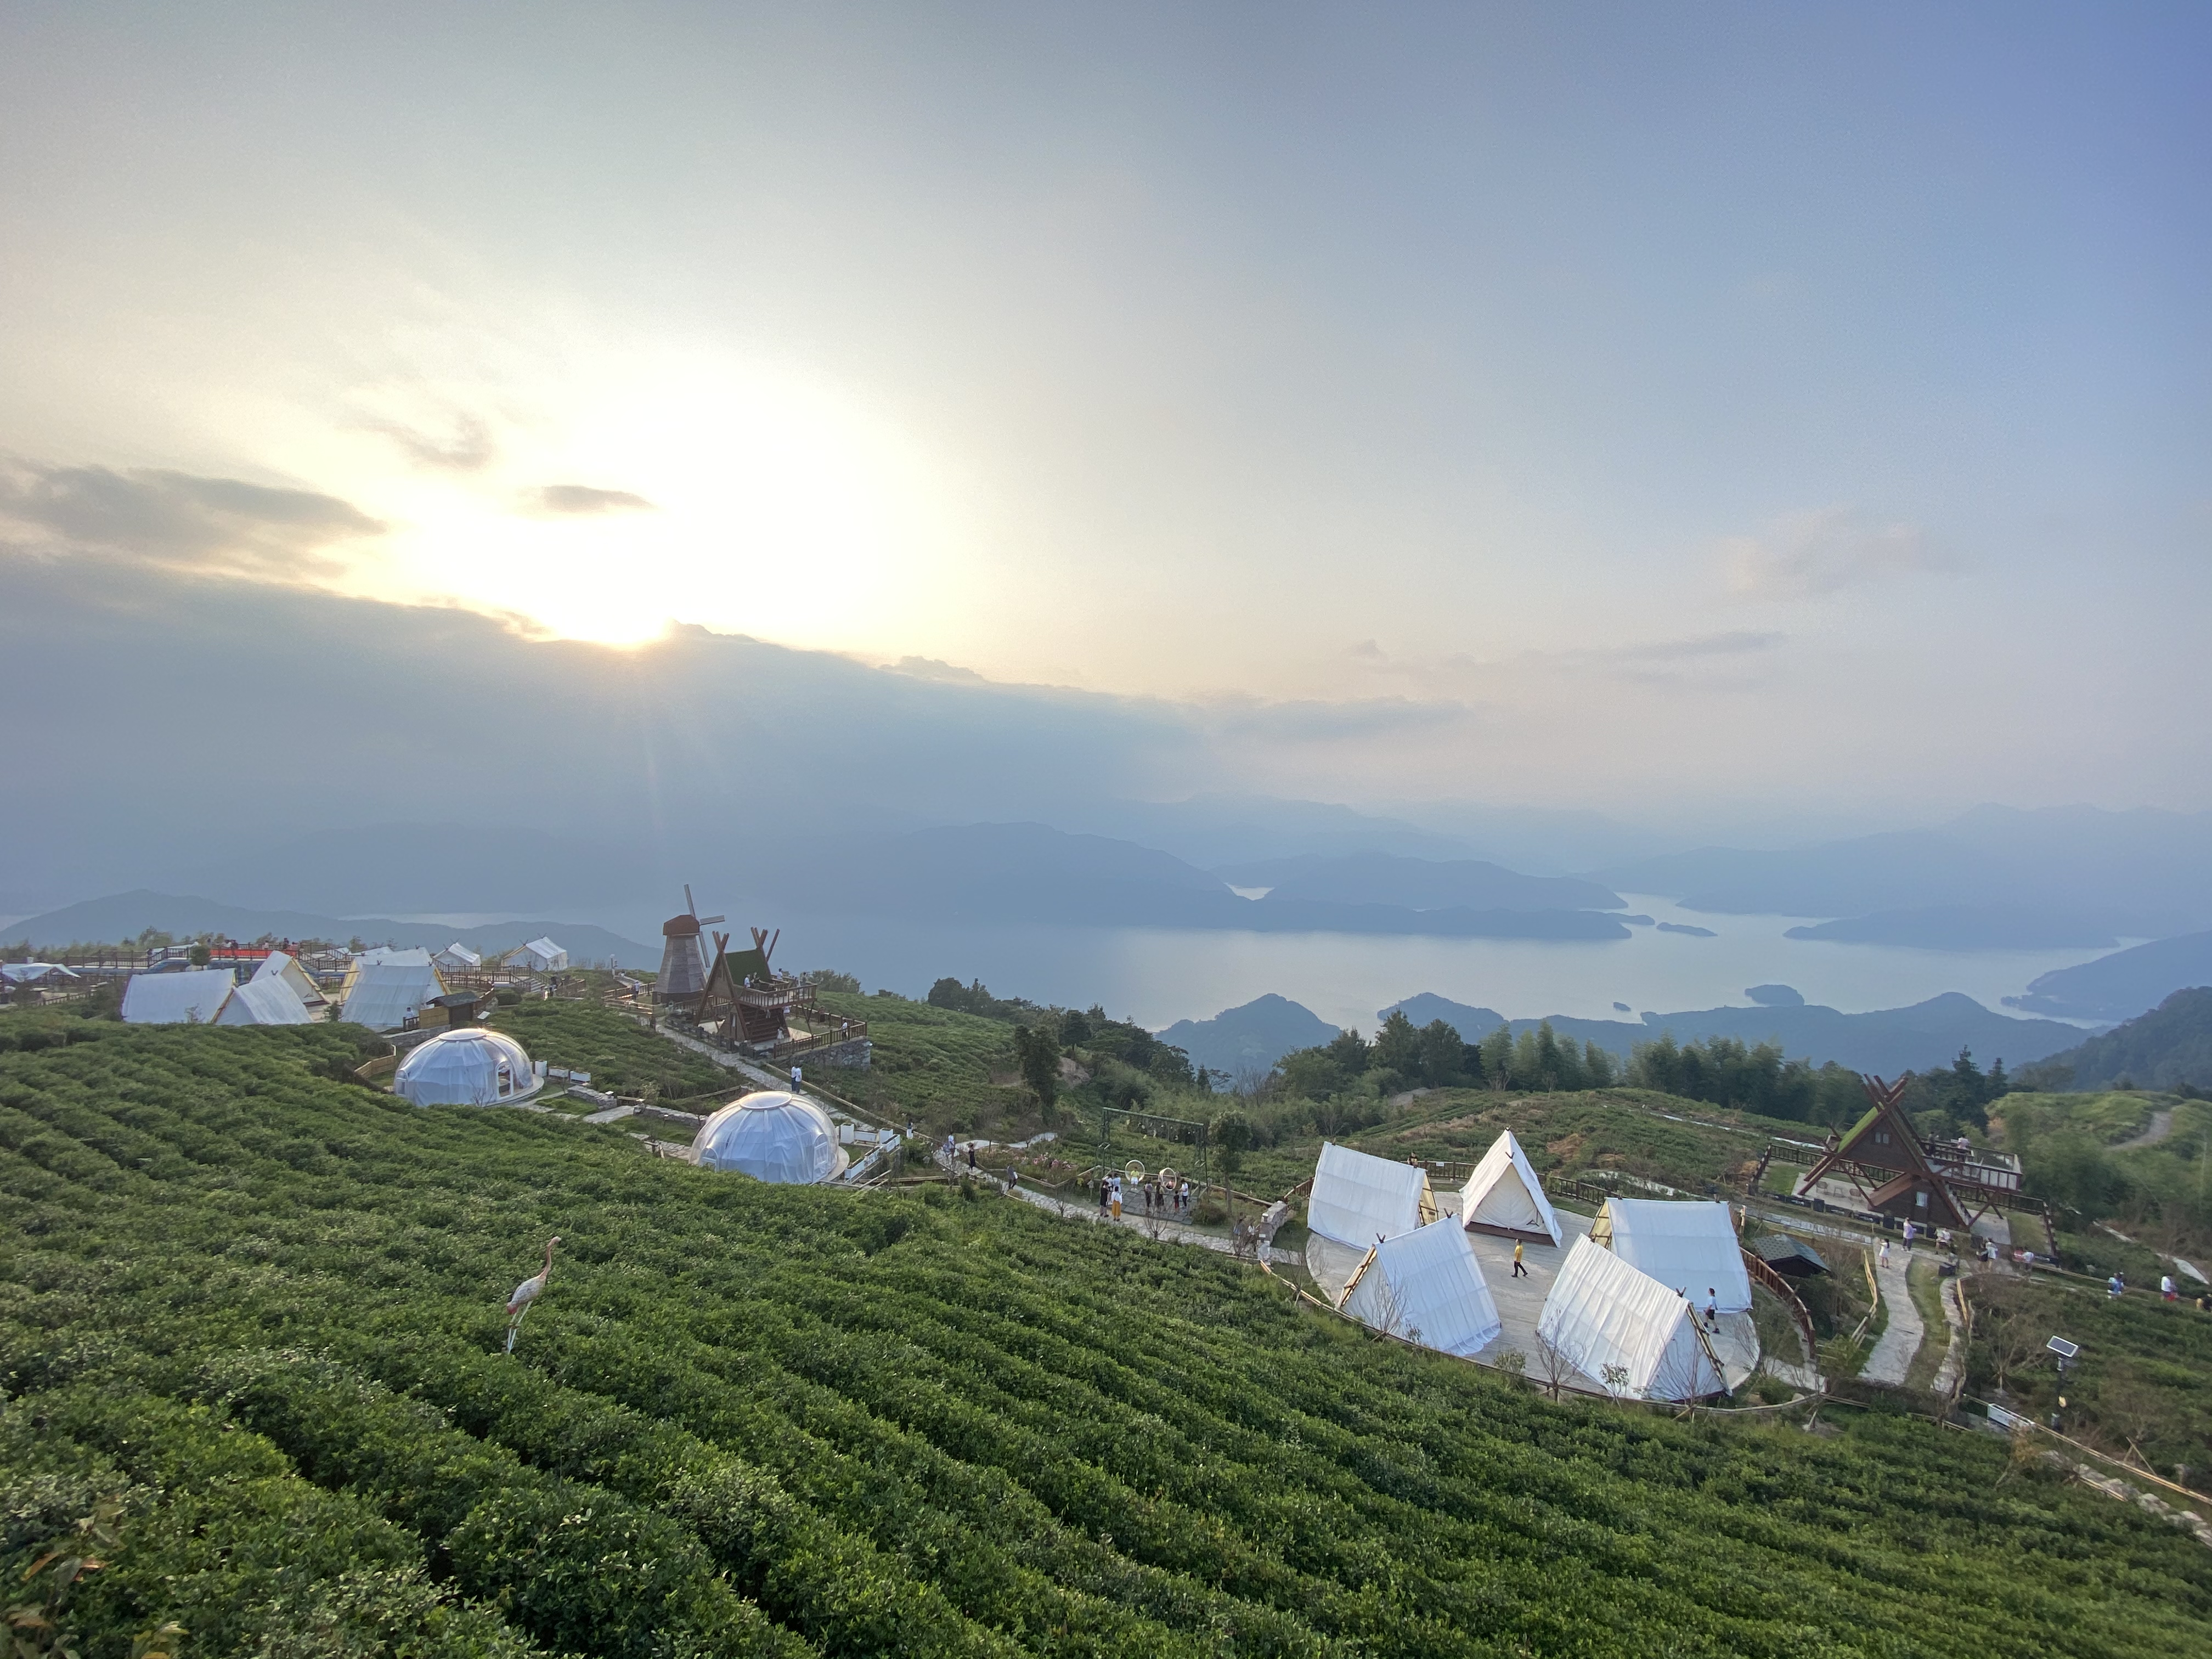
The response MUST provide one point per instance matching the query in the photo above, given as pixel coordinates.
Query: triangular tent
(192, 997)
(1427, 1287)
(1626, 1331)
(1504, 1195)
(269, 1001)
(1690, 1246)
(1358, 1199)
(280, 964)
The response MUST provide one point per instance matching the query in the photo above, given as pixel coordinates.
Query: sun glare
(698, 491)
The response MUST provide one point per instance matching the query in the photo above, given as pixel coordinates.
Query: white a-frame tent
(1503, 1196)
(1358, 1199)
(1626, 1331)
(1690, 1246)
(1427, 1287)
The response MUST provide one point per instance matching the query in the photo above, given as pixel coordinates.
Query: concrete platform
(1520, 1301)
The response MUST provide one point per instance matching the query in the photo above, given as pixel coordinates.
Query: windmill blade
(689, 903)
(709, 921)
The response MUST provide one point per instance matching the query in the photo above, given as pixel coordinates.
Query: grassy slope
(265, 1306)
(620, 1054)
(935, 1064)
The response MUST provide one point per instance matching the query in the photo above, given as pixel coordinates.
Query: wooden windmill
(683, 959)
(1905, 1174)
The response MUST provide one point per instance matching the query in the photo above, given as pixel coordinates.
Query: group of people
(1159, 1198)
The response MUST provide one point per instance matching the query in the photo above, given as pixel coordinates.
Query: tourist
(2113, 1287)
(2168, 1289)
(794, 1076)
(1113, 1198)
(1101, 1194)
(971, 1154)
(1882, 1256)
(1183, 1196)
(1712, 1309)
(1908, 1235)
(1519, 1268)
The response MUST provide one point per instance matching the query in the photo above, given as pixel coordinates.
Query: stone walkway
(1954, 1351)
(1901, 1338)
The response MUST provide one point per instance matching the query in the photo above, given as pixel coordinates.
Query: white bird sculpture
(527, 1292)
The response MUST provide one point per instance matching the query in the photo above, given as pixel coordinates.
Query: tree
(1438, 1054)
(1498, 1058)
(1231, 1135)
(1038, 1056)
(1398, 1046)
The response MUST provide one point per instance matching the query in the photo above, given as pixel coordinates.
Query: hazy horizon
(1784, 419)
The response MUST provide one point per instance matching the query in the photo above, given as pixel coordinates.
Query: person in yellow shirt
(1519, 1270)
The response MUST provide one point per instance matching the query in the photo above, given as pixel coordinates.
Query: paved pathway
(1901, 1338)
(2160, 1126)
(1954, 1351)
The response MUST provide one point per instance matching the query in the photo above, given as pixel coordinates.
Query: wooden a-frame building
(1903, 1174)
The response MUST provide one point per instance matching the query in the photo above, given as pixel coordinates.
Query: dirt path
(2161, 1126)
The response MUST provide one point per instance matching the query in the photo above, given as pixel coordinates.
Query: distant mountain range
(1032, 874)
(125, 915)
(1965, 927)
(2061, 871)
(2165, 1049)
(1375, 877)
(1886, 1041)
(2123, 984)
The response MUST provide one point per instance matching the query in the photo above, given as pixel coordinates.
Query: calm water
(1157, 977)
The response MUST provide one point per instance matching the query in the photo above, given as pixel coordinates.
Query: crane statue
(527, 1292)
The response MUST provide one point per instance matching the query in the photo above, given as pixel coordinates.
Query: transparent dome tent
(470, 1067)
(771, 1136)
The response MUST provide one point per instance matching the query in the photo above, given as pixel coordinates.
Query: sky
(1696, 409)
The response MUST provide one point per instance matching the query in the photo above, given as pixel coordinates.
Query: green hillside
(2168, 1048)
(250, 1322)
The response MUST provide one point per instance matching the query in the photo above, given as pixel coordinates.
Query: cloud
(470, 448)
(179, 520)
(582, 500)
(1801, 554)
(1312, 720)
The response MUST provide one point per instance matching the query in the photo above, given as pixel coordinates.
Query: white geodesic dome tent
(771, 1136)
(1689, 1246)
(1357, 1198)
(470, 1067)
(1603, 1315)
(1504, 1195)
(1427, 1287)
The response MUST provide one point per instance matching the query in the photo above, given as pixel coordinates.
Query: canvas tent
(34, 973)
(1690, 1247)
(278, 965)
(1358, 1199)
(1427, 1287)
(196, 996)
(1504, 1195)
(458, 955)
(262, 1002)
(1626, 1331)
(386, 989)
(542, 956)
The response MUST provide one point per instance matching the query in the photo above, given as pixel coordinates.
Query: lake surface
(1157, 977)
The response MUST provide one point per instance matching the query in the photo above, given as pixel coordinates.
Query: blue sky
(1620, 407)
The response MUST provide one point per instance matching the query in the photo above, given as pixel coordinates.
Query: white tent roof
(545, 951)
(260, 1001)
(278, 965)
(176, 999)
(1602, 1313)
(30, 973)
(1358, 1198)
(1504, 1195)
(469, 1067)
(384, 993)
(458, 955)
(1688, 1246)
(413, 956)
(771, 1136)
(1427, 1287)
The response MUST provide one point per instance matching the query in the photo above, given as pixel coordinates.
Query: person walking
(1101, 1194)
(1114, 1202)
(1519, 1269)
(1882, 1256)
(1183, 1196)
(1712, 1309)
(971, 1154)
(2167, 1288)
(795, 1077)
(2113, 1287)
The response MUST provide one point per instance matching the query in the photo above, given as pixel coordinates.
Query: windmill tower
(683, 956)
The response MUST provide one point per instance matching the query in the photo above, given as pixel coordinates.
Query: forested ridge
(251, 1330)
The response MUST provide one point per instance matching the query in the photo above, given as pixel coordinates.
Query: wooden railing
(1783, 1292)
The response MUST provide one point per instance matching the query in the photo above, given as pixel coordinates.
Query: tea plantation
(251, 1329)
